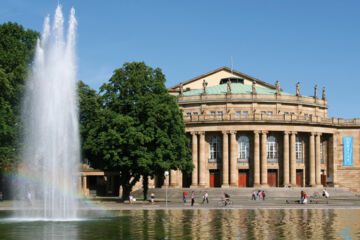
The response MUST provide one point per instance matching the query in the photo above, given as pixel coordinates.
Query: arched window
(299, 150)
(214, 149)
(244, 145)
(272, 149)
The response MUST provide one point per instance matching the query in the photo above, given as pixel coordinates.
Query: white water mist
(51, 145)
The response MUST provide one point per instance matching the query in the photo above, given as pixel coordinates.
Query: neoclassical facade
(248, 133)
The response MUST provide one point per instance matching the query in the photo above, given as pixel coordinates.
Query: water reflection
(194, 224)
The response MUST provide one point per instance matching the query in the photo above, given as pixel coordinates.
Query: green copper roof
(236, 88)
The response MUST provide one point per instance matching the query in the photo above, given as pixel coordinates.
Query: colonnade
(230, 170)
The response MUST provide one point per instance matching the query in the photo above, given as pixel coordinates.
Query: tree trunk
(126, 191)
(145, 186)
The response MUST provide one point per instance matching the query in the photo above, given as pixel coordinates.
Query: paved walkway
(113, 204)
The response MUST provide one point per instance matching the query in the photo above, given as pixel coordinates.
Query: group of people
(205, 197)
(258, 195)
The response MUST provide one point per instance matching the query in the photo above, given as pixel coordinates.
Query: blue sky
(313, 42)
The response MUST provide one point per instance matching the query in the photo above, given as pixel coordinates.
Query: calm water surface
(192, 224)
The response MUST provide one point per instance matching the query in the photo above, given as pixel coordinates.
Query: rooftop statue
(253, 87)
(181, 90)
(298, 89)
(315, 91)
(228, 87)
(323, 94)
(277, 85)
(204, 84)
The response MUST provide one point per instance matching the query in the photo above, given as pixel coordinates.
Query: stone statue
(323, 94)
(315, 91)
(277, 85)
(253, 87)
(204, 84)
(181, 90)
(298, 89)
(228, 87)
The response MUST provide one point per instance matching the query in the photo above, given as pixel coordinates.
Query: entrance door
(243, 177)
(186, 180)
(299, 178)
(323, 180)
(215, 178)
(272, 177)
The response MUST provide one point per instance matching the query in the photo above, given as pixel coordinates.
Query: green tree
(88, 108)
(17, 47)
(139, 129)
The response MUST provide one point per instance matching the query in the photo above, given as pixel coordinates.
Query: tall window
(214, 151)
(272, 149)
(299, 150)
(322, 153)
(244, 145)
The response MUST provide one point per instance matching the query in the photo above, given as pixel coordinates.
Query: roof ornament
(204, 84)
(253, 87)
(315, 91)
(228, 87)
(181, 90)
(298, 89)
(277, 85)
(323, 94)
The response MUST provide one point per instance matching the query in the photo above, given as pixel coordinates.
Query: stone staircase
(175, 194)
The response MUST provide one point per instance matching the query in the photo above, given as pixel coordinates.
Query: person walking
(152, 197)
(205, 198)
(192, 198)
(259, 194)
(253, 196)
(263, 194)
(184, 196)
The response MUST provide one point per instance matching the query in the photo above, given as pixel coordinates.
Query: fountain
(50, 166)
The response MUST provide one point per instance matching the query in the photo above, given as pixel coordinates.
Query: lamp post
(166, 175)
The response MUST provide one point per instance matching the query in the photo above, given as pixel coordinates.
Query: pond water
(192, 224)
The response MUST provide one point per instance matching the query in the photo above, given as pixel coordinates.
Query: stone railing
(272, 118)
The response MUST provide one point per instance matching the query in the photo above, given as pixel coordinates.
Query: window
(245, 114)
(292, 113)
(272, 149)
(299, 150)
(306, 115)
(213, 114)
(286, 113)
(238, 114)
(220, 114)
(322, 153)
(263, 112)
(214, 151)
(244, 145)
(195, 113)
(269, 113)
(188, 114)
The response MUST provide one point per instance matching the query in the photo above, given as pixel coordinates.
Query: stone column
(312, 159)
(333, 158)
(233, 160)
(264, 158)
(225, 160)
(286, 158)
(293, 159)
(173, 179)
(202, 160)
(256, 159)
(194, 174)
(85, 186)
(317, 159)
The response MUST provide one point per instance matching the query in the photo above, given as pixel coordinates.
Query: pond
(192, 224)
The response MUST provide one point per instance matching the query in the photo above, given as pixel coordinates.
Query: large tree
(17, 47)
(139, 129)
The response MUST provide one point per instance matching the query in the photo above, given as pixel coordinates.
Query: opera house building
(248, 133)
